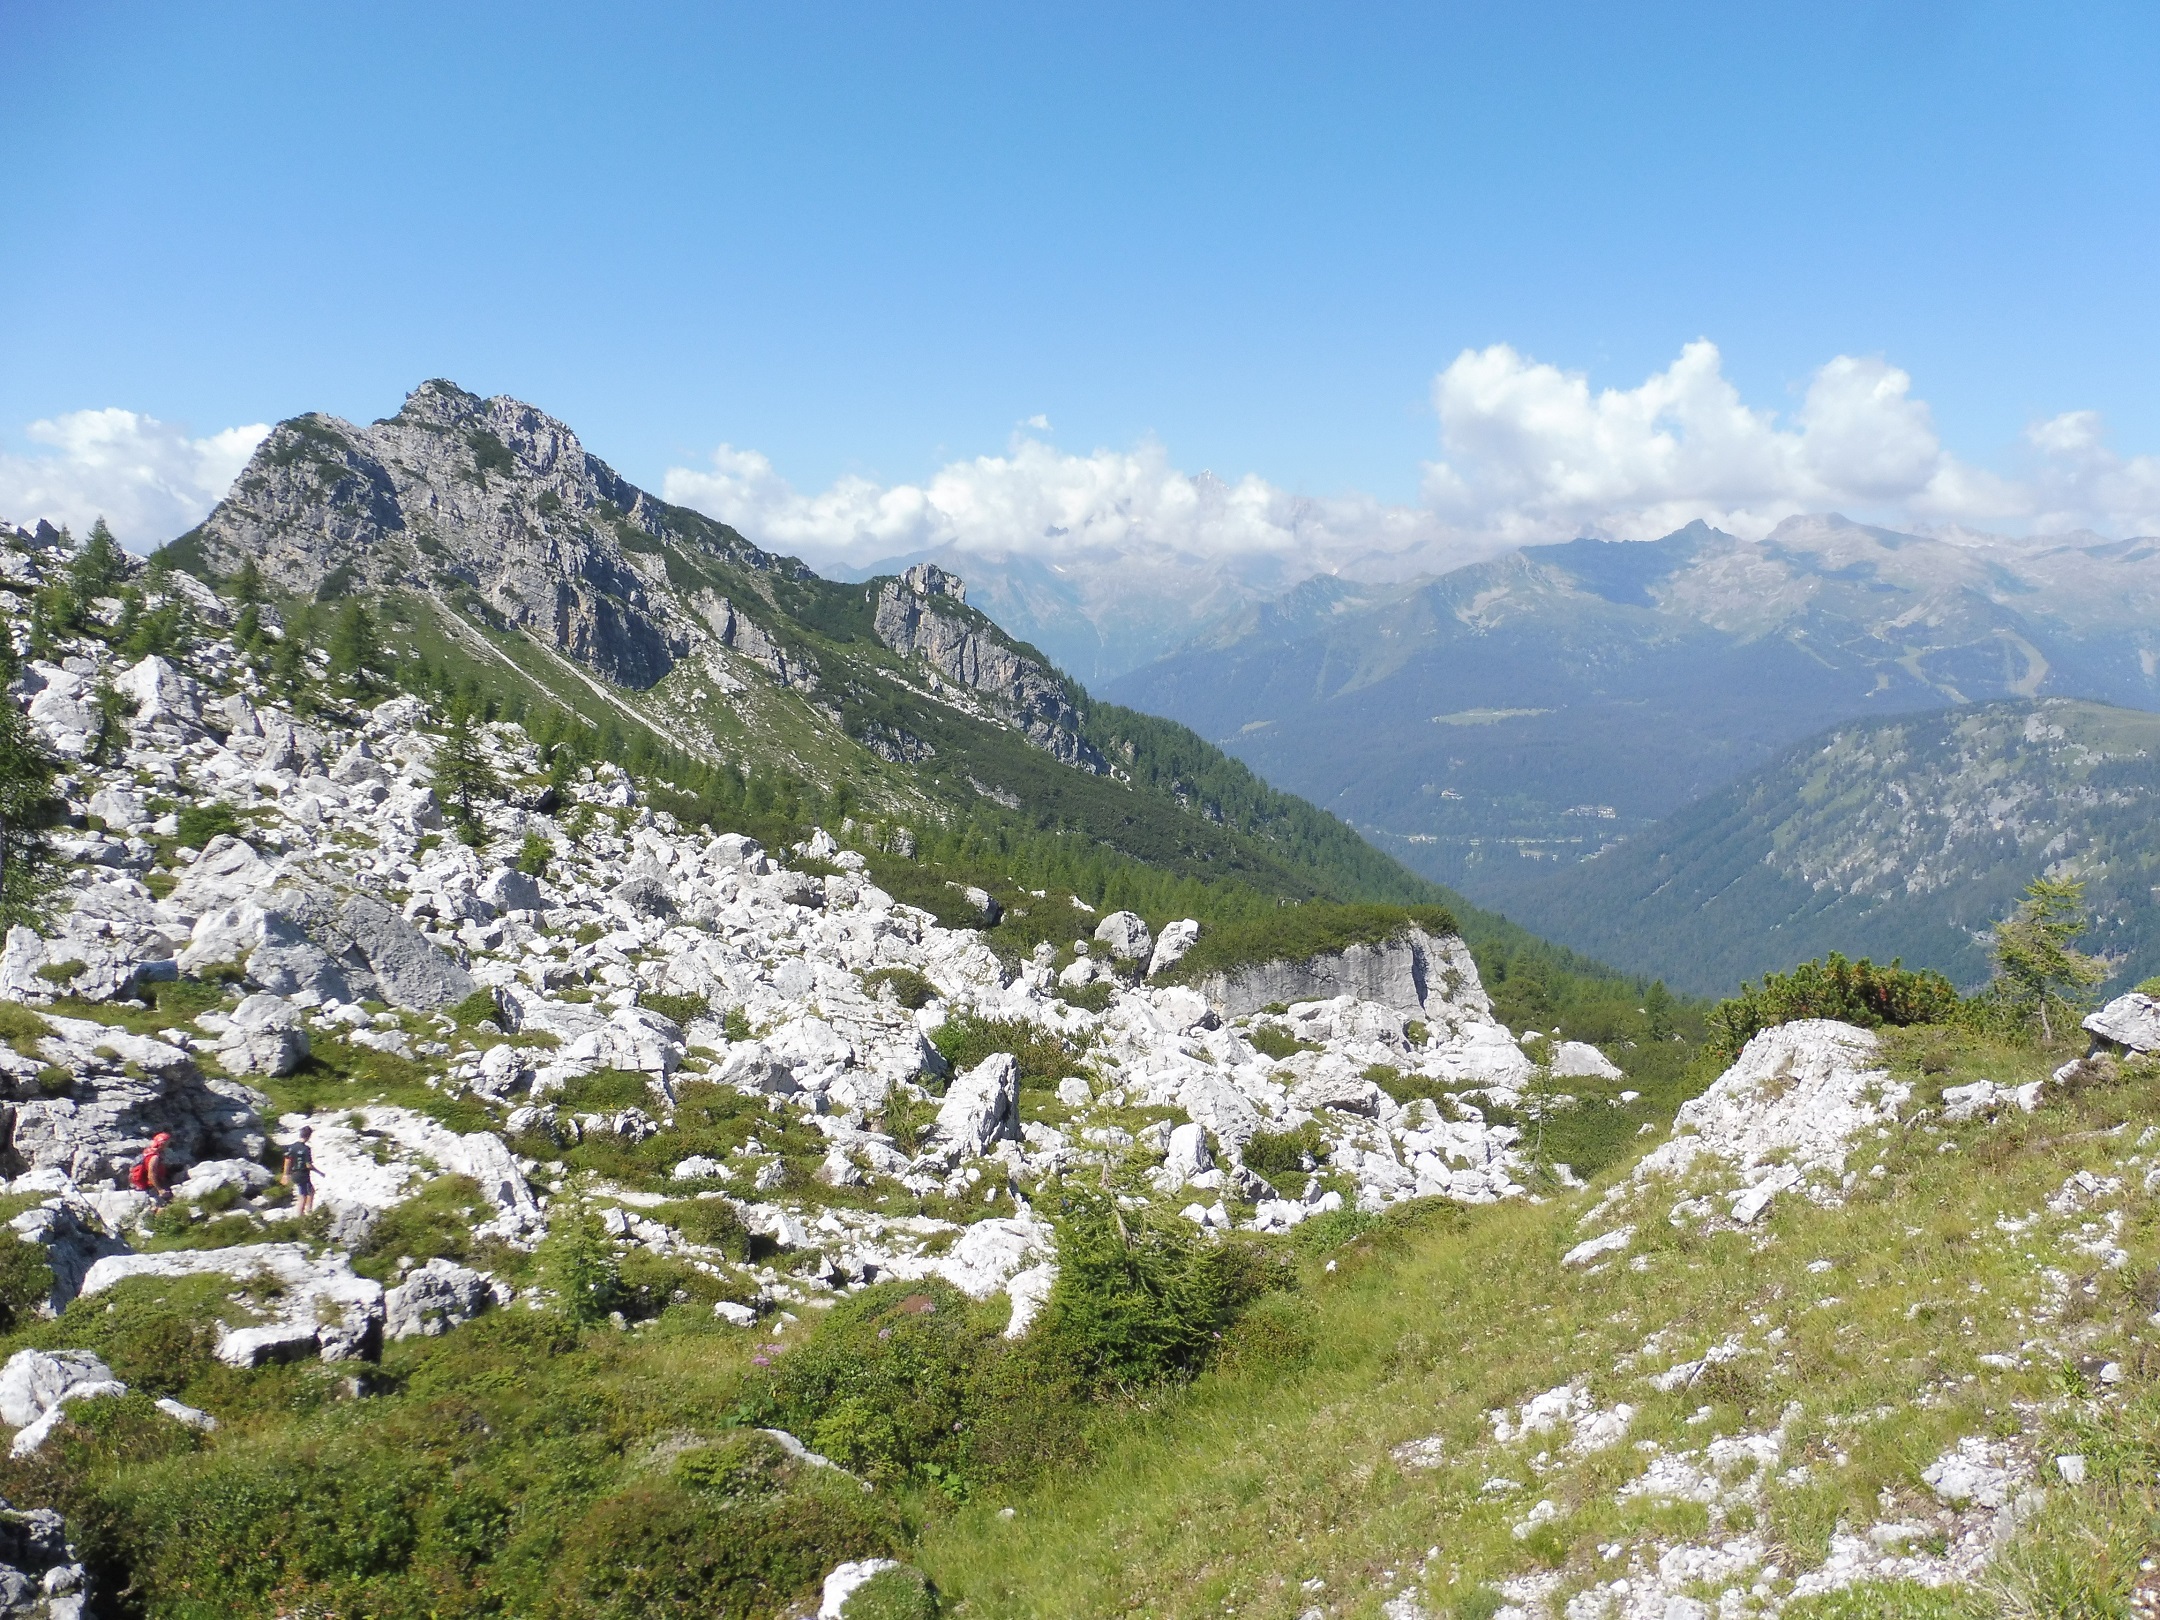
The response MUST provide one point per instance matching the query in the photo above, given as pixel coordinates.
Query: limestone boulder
(436, 1297)
(1174, 945)
(1126, 934)
(982, 1106)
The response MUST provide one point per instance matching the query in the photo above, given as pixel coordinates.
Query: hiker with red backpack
(150, 1173)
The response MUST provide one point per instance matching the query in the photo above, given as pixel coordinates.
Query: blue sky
(867, 240)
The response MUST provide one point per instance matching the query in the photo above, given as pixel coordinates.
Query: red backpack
(139, 1176)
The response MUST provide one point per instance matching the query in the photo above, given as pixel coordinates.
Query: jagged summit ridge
(495, 509)
(491, 496)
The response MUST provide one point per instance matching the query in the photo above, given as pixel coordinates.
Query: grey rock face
(108, 1115)
(164, 698)
(982, 1106)
(1413, 973)
(436, 1297)
(326, 1310)
(491, 493)
(265, 1037)
(644, 895)
(925, 612)
(2131, 1022)
(72, 1240)
(1175, 944)
(412, 973)
(508, 889)
(1126, 933)
(35, 1381)
(746, 637)
(39, 1574)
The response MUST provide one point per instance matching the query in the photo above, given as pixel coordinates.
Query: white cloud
(2082, 483)
(146, 478)
(1531, 453)
(1528, 453)
(1041, 501)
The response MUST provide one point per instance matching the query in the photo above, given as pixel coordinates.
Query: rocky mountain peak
(927, 579)
(439, 402)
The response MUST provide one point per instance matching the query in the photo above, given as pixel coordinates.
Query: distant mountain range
(1530, 711)
(1901, 838)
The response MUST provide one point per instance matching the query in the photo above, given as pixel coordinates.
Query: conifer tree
(463, 776)
(2037, 974)
(246, 586)
(28, 810)
(97, 568)
(354, 647)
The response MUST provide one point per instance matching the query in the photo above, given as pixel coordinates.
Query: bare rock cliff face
(925, 612)
(489, 496)
(1415, 973)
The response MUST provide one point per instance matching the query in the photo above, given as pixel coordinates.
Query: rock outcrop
(2129, 1023)
(925, 613)
(1414, 973)
(40, 1576)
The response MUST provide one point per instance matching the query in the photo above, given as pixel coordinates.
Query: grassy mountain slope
(1345, 1456)
(1337, 1454)
(1903, 838)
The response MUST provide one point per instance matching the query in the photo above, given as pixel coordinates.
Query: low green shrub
(1142, 1299)
(157, 1334)
(605, 1091)
(710, 1221)
(887, 1384)
(656, 1551)
(909, 988)
(183, 999)
(680, 1009)
(199, 823)
(1406, 1088)
(1045, 1057)
(534, 854)
(435, 1224)
(1284, 1153)
(26, 1280)
(1331, 1229)
(1831, 987)
(477, 1008)
(900, 1593)
(578, 1264)
(1277, 1334)
(648, 1283)
(21, 1028)
(1095, 996)
(230, 1526)
(1272, 1040)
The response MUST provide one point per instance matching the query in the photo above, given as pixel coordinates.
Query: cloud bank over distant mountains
(1527, 452)
(1041, 501)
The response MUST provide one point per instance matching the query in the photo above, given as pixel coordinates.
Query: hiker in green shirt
(299, 1171)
